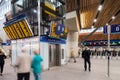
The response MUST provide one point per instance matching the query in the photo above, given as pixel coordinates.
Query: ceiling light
(107, 24)
(113, 17)
(95, 20)
(35, 11)
(100, 8)
(0, 0)
(92, 26)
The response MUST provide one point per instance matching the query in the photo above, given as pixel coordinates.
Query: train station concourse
(59, 39)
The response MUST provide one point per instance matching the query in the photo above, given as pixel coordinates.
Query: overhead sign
(50, 5)
(15, 19)
(115, 29)
(18, 28)
(5, 44)
(49, 8)
(58, 30)
(52, 40)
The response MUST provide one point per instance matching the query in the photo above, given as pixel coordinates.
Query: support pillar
(72, 43)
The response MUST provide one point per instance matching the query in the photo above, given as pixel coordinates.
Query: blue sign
(15, 19)
(105, 29)
(114, 29)
(9, 41)
(52, 40)
(5, 44)
(60, 29)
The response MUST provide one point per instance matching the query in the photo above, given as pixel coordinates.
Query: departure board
(18, 29)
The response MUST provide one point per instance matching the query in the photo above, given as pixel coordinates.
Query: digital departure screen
(18, 29)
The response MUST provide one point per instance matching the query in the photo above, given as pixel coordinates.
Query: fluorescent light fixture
(100, 8)
(95, 20)
(113, 17)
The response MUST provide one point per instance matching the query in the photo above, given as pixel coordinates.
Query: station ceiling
(89, 12)
(96, 13)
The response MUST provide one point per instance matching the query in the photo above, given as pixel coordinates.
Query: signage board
(50, 5)
(50, 8)
(52, 40)
(15, 19)
(115, 29)
(18, 28)
(5, 44)
(58, 30)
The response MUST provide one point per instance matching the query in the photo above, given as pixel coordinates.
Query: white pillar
(109, 31)
(72, 43)
(39, 15)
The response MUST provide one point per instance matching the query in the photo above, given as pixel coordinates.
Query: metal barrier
(103, 55)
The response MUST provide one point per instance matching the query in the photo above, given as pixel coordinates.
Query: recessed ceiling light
(95, 20)
(100, 8)
(113, 17)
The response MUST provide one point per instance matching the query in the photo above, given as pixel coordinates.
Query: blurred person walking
(86, 55)
(36, 65)
(2, 61)
(72, 56)
(23, 65)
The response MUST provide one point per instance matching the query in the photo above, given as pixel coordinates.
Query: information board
(18, 29)
(115, 29)
(58, 30)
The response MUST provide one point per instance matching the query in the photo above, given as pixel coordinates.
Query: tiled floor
(73, 71)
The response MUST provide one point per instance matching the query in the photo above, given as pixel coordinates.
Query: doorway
(54, 55)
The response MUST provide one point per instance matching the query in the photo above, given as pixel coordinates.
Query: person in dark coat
(86, 56)
(2, 62)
